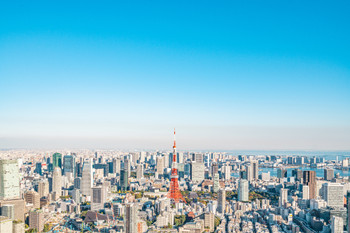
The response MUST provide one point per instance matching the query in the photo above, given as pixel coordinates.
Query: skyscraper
(160, 165)
(130, 218)
(69, 164)
(38, 169)
(98, 198)
(36, 220)
(197, 172)
(333, 194)
(124, 181)
(221, 201)
(328, 174)
(139, 171)
(337, 224)
(306, 194)
(33, 198)
(86, 180)
(227, 172)
(43, 188)
(57, 182)
(197, 157)
(281, 173)
(9, 179)
(216, 183)
(243, 190)
(283, 199)
(57, 160)
(252, 171)
(309, 179)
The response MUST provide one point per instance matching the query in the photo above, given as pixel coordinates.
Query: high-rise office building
(283, 199)
(333, 194)
(214, 169)
(255, 170)
(216, 182)
(127, 166)
(209, 219)
(77, 183)
(197, 172)
(33, 198)
(160, 165)
(197, 157)
(9, 179)
(252, 171)
(300, 160)
(69, 164)
(243, 190)
(76, 195)
(87, 179)
(281, 173)
(139, 171)
(337, 224)
(57, 182)
(298, 174)
(38, 169)
(227, 172)
(221, 201)
(328, 174)
(309, 179)
(43, 188)
(57, 160)
(36, 220)
(124, 181)
(130, 218)
(98, 198)
(305, 193)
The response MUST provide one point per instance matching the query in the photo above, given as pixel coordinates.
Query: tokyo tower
(174, 192)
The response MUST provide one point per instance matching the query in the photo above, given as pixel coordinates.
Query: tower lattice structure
(174, 192)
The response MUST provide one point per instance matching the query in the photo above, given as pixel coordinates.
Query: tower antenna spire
(174, 191)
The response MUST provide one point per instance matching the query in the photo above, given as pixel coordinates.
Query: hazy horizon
(229, 76)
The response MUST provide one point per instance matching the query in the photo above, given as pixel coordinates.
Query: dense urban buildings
(120, 191)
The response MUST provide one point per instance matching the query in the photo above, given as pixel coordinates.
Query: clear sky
(245, 75)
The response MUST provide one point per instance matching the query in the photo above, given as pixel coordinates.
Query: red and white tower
(174, 192)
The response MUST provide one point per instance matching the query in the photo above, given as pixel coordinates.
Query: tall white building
(227, 172)
(43, 188)
(130, 218)
(333, 194)
(337, 224)
(9, 179)
(86, 180)
(252, 171)
(283, 197)
(98, 198)
(216, 182)
(160, 165)
(243, 190)
(197, 172)
(305, 192)
(139, 171)
(57, 182)
(221, 201)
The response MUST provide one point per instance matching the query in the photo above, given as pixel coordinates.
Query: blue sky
(263, 75)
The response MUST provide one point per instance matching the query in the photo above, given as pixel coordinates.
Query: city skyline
(230, 76)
